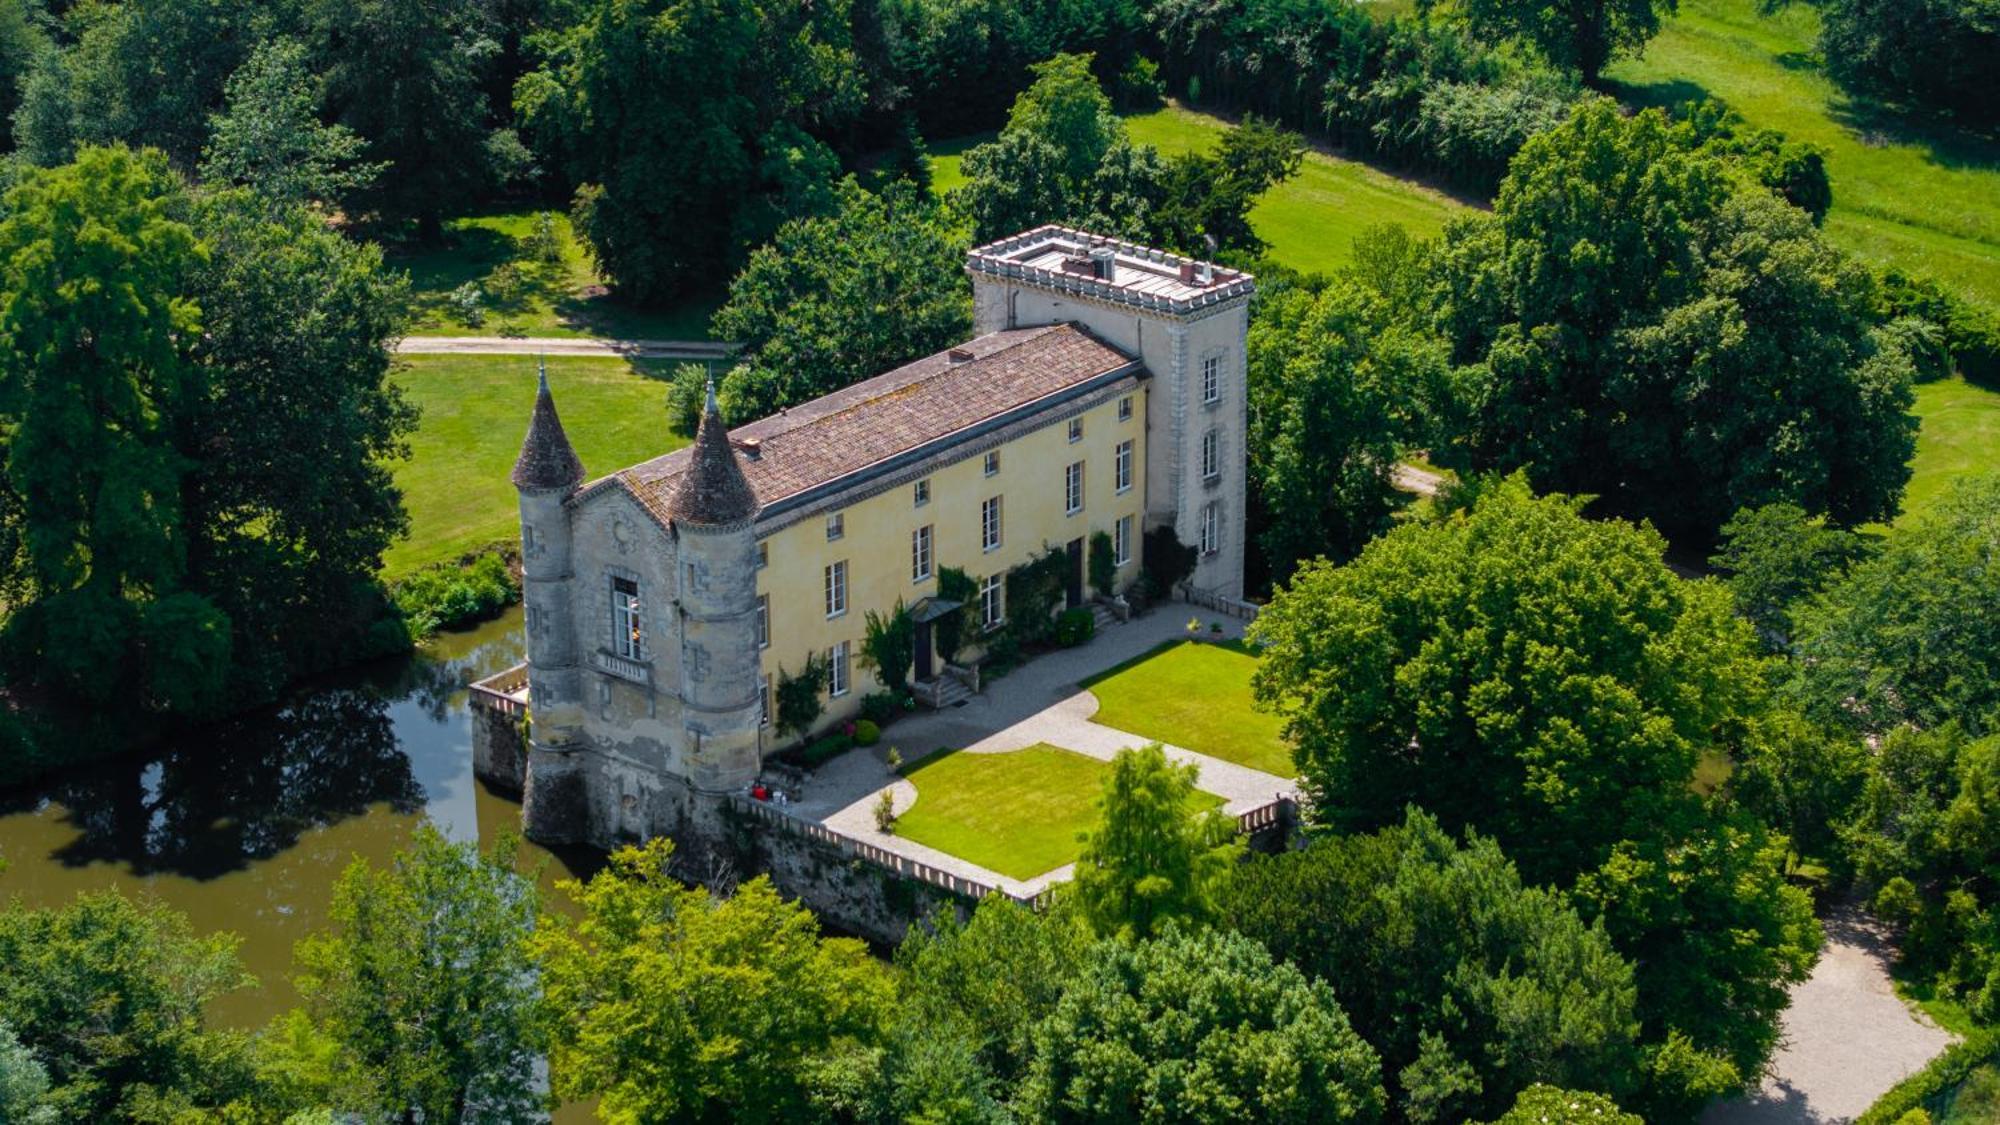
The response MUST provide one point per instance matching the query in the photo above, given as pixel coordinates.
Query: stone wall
(847, 893)
(499, 753)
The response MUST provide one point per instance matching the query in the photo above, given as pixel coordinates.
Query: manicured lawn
(1960, 437)
(475, 411)
(565, 300)
(1310, 220)
(1195, 696)
(1923, 196)
(1020, 813)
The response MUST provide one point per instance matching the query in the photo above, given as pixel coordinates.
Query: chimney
(1106, 261)
(958, 355)
(1204, 274)
(1187, 273)
(752, 448)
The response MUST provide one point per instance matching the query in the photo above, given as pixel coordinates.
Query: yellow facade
(876, 534)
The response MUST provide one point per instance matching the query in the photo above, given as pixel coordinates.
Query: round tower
(545, 475)
(713, 511)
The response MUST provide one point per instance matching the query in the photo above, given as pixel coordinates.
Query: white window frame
(838, 682)
(763, 553)
(763, 621)
(836, 526)
(992, 462)
(1073, 488)
(763, 701)
(990, 529)
(921, 491)
(1075, 430)
(921, 554)
(1121, 541)
(992, 602)
(1211, 529)
(1211, 455)
(1211, 380)
(836, 589)
(628, 619)
(1125, 409)
(1121, 466)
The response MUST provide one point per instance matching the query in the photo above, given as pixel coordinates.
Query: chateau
(1103, 392)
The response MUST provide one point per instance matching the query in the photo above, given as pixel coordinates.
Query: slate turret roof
(547, 461)
(713, 489)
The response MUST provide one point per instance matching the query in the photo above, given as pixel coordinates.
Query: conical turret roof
(546, 460)
(713, 490)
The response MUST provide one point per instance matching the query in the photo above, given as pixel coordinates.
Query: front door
(1074, 592)
(923, 663)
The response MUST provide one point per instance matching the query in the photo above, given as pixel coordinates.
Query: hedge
(1946, 1071)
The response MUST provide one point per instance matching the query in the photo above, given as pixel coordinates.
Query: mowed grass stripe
(1021, 813)
(474, 414)
(1196, 696)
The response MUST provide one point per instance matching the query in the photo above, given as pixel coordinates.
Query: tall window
(1211, 455)
(1073, 488)
(836, 670)
(763, 555)
(1211, 530)
(993, 462)
(1122, 467)
(1125, 409)
(763, 701)
(1121, 541)
(836, 589)
(836, 526)
(922, 492)
(628, 637)
(991, 606)
(1075, 429)
(920, 554)
(1211, 379)
(763, 621)
(989, 524)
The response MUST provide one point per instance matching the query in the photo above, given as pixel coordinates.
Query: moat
(245, 826)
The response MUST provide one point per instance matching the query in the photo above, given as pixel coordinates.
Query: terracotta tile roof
(831, 437)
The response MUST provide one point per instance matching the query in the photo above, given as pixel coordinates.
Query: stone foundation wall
(845, 892)
(499, 753)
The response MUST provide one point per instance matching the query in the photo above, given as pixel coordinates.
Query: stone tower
(713, 510)
(545, 476)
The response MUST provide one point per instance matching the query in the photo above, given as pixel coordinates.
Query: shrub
(948, 632)
(867, 733)
(1944, 1072)
(885, 812)
(1103, 564)
(468, 304)
(543, 243)
(822, 750)
(1074, 627)
(687, 394)
(1139, 86)
(507, 285)
(879, 707)
(456, 595)
(799, 705)
(1033, 589)
(886, 646)
(1166, 561)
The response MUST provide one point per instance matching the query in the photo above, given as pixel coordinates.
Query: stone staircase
(945, 691)
(1103, 615)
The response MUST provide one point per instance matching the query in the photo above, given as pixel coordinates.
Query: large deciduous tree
(1150, 860)
(1448, 965)
(1639, 326)
(421, 992)
(1546, 679)
(673, 1005)
(690, 125)
(1195, 1027)
(838, 298)
(1934, 54)
(269, 137)
(1579, 35)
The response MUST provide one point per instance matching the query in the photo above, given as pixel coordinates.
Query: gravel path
(1847, 1038)
(565, 346)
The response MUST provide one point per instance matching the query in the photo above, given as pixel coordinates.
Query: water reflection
(245, 826)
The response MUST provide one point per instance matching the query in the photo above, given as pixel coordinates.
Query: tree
(1775, 557)
(1547, 1105)
(408, 79)
(23, 1084)
(1337, 391)
(1103, 564)
(1197, 1026)
(149, 73)
(1580, 35)
(690, 125)
(422, 988)
(954, 585)
(22, 43)
(993, 977)
(96, 328)
(1446, 963)
(1909, 636)
(838, 298)
(45, 124)
(1150, 859)
(1936, 54)
(111, 996)
(1636, 324)
(269, 138)
(1516, 668)
(671, 1004)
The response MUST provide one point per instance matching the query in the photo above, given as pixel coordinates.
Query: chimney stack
(1106, 261)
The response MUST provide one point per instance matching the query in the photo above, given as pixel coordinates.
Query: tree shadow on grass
(1665, 94)
(1946, 142)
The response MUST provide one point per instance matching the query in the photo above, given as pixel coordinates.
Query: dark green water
(245, 827)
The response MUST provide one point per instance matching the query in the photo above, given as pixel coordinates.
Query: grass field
(1960, 436)
(1310, 220)
(1921, 196)
(1021, 813)
(555, 300)
(475, 411)
(1195, 696)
